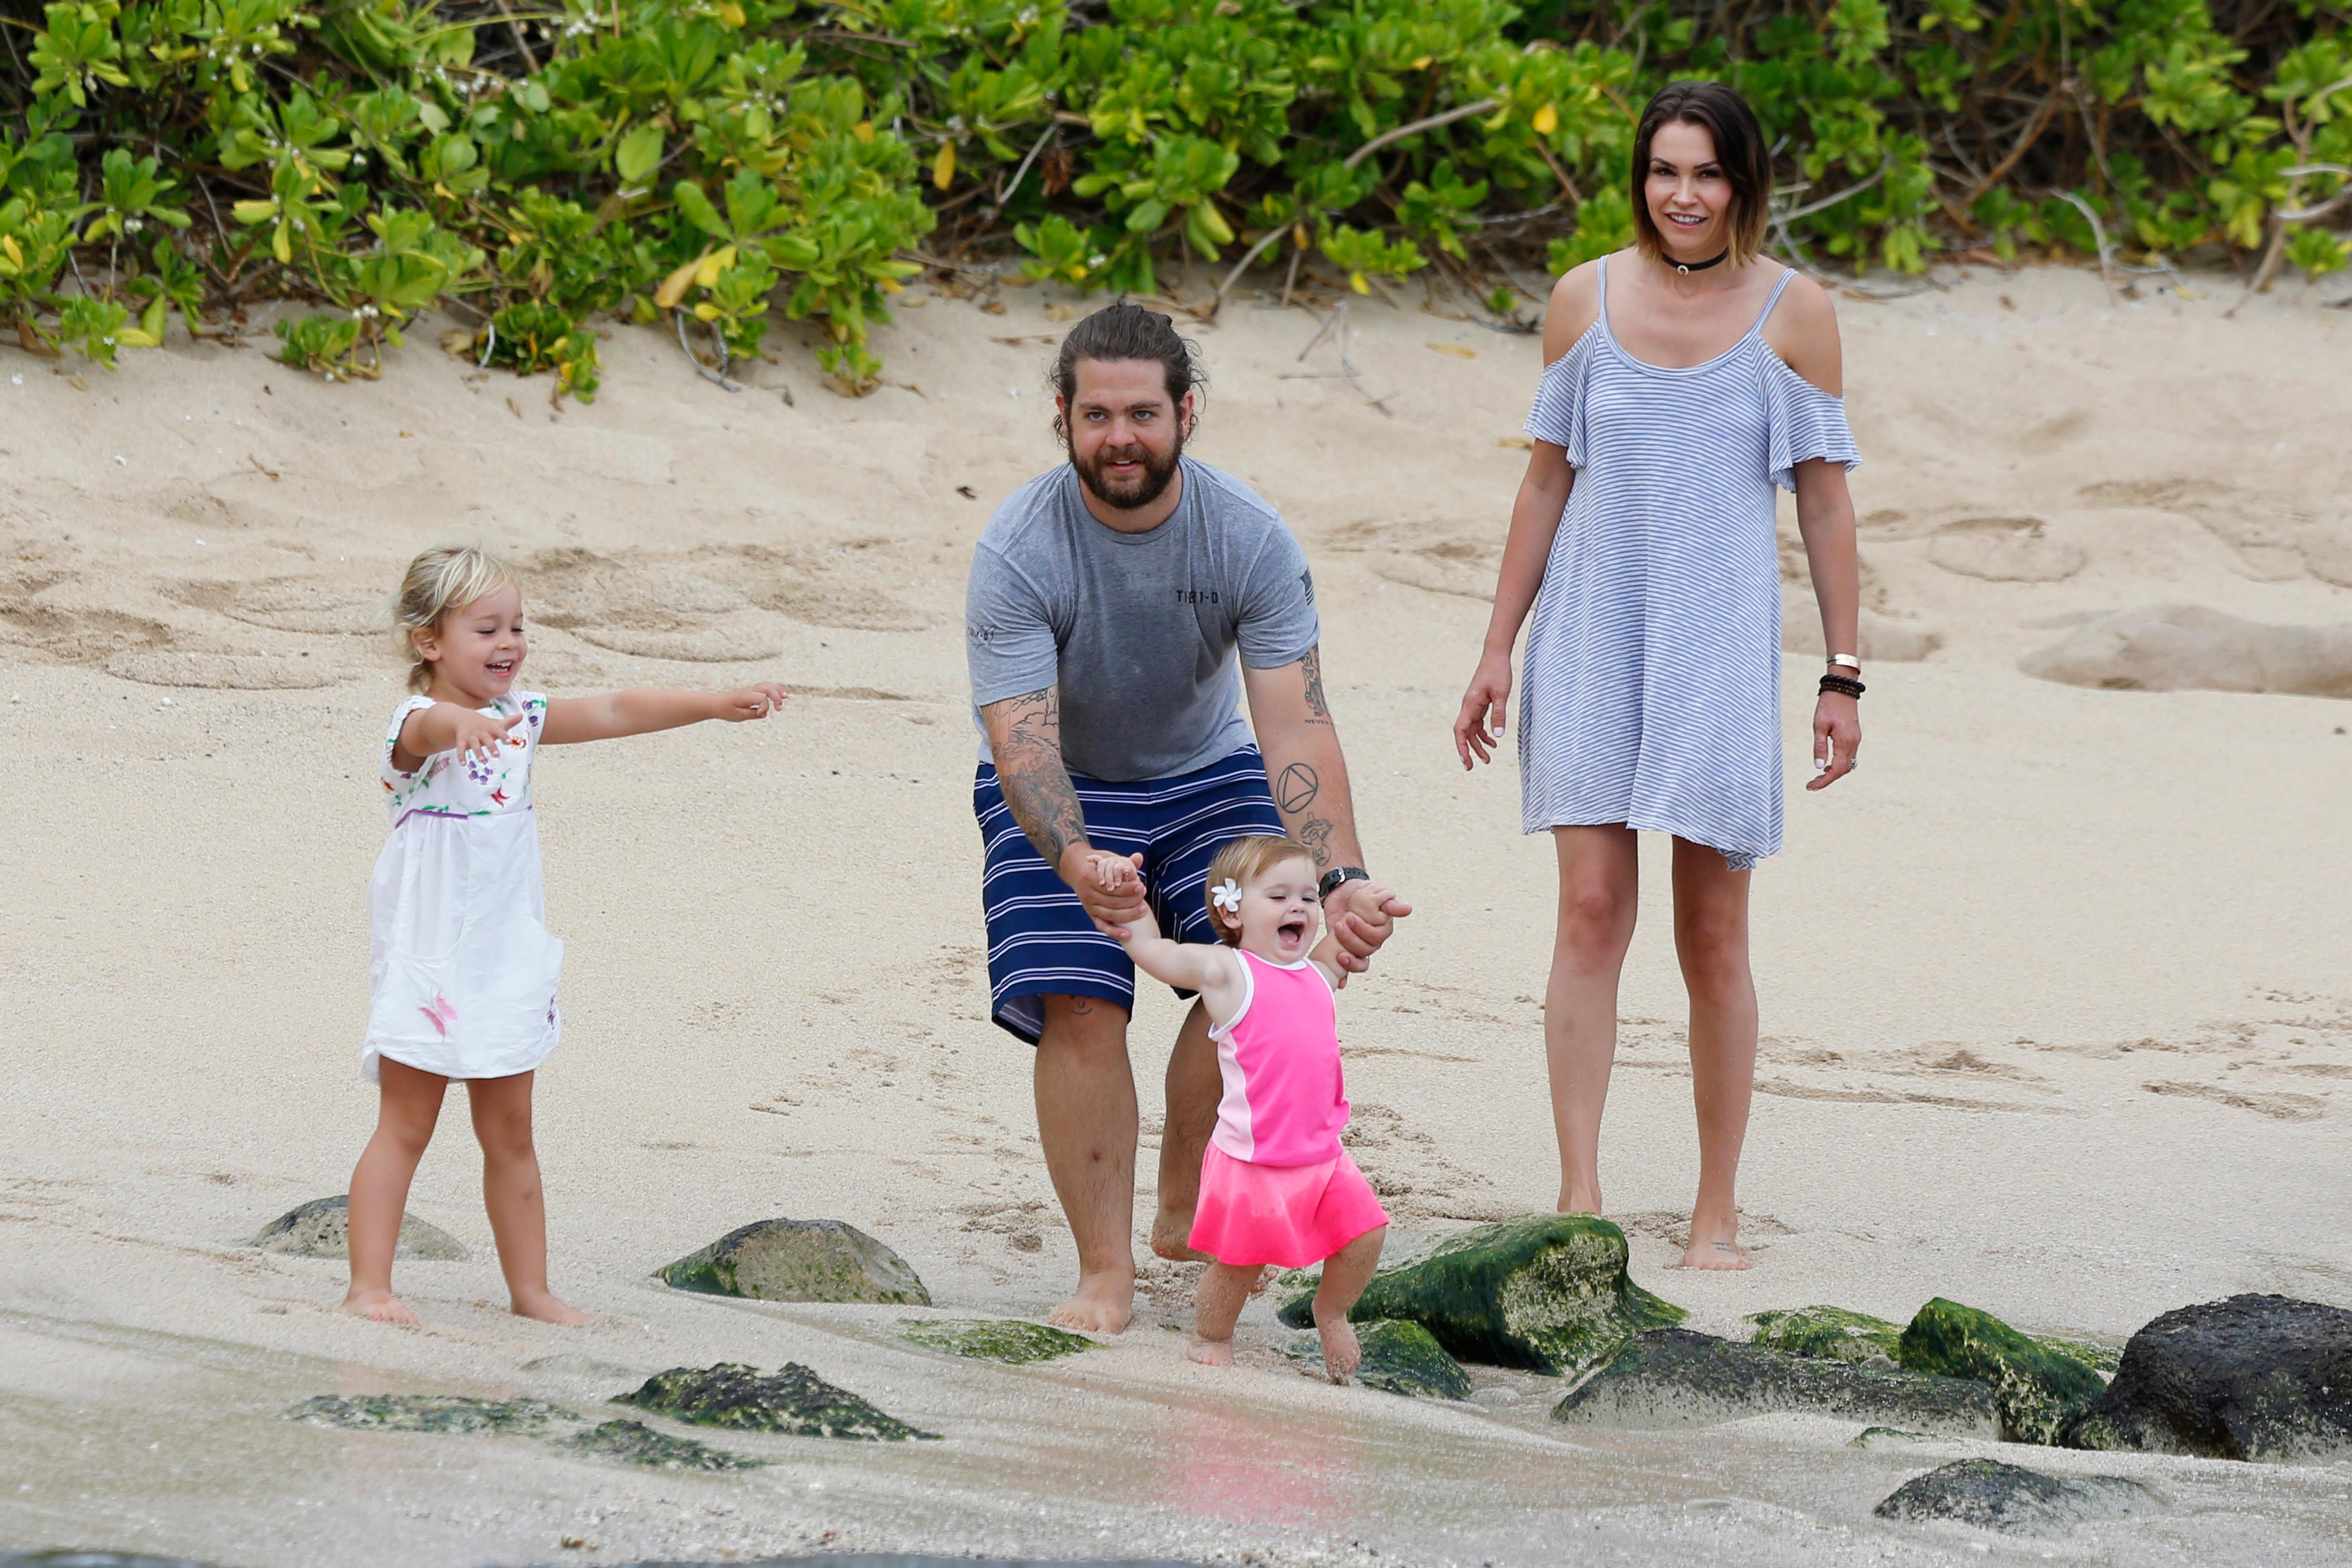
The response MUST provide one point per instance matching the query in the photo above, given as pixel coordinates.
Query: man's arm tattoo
(1316, 833)
(1295, 789)
(1030, 771)
(1318, 711)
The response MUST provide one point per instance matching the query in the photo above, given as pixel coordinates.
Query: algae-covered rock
(793, 1399)
(1007, 1340)
(426, 1413)
(2101, 1359)
(1830, 1334)
(635, 1443)
(799, 1260)
(2038, 1389)
(1671, 1377)
(1548, 1291)
(321, 1229)
(1405, 1358)
(2251, 1377)
(2014, 1500)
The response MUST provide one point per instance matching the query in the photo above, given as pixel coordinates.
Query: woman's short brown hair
(1243, 861)
(1741, 151)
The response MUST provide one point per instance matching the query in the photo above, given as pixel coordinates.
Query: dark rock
(321, 1229)
(1007, 1340)
(2039, 1390)
(2013, 1500)
(2253, 1377)
(1829, 1333)
(799, 1260)
(1548, 1292)
(1672, 1377)
(1885, 1437)
(426, 1413)
(793, 1399)
(635, 1443)
(1404, 1358)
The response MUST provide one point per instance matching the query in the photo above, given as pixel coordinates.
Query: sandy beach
(2058, 1020)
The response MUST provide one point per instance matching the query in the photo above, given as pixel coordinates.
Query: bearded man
(1108, 602)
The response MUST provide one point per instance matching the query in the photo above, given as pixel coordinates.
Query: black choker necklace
(1687, 267)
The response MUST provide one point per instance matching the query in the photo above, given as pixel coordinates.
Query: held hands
(1837, 736)
(1361, 916)
(1483, 706)
(1111, 887)
(751, 702)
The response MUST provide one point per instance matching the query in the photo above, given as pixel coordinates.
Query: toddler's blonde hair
(447, 577)
(1244, 860)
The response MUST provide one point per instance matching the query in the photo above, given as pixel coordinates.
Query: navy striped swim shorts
(1040, 942)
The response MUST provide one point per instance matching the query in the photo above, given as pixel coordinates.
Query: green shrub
(539, 164)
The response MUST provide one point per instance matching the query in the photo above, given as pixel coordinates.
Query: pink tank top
(1285, 1100)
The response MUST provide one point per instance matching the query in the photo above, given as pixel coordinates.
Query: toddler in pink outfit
(1276, 1188)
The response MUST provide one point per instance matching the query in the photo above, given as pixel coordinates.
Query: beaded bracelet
(1844, 685)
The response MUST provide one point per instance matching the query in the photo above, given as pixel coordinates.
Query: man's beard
(1135, 494)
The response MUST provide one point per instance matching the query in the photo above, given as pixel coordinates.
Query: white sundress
(1651, 688)
(464, 971)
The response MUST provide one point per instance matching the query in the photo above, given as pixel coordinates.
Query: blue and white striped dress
(1651, 689)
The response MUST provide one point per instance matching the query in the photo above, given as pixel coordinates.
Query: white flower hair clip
(1227, 898)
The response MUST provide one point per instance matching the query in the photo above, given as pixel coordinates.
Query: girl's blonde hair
(445, 578)
(1243, 861)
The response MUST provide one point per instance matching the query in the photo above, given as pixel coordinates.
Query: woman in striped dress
(1684, 379)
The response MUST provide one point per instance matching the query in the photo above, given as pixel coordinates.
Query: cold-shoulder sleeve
(1805, 423)
(1557, 416)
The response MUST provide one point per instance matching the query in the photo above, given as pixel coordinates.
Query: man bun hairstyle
(1244, 860)
(445, 578)
(1126, 330)
(1741, 151)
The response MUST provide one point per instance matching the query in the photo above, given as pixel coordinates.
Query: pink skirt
(1287, 1214)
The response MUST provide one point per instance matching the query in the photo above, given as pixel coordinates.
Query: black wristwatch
(1337, 875)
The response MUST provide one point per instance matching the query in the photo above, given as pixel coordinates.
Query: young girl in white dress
(464, 971)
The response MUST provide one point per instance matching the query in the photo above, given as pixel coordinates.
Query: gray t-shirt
(1139, 630)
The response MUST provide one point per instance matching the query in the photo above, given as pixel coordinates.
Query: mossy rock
(2014, 1500)
(1671, 1378)
(635, 1443)
(799, 1260)
(792, 1400)
(321, 1229)
(1405, 1358)
(2039, 1390)
(1829, 1333)
(1007, 1340)
(1548, 1292)
(2102, 1359)
(427, 1412)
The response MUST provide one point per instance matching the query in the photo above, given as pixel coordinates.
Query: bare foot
(1714, 1252)
(380, 1307)
(1171, 1236)
(1340, 1351)
(1265, 1277)
(1102, 1305)
(1210, 1352)
(546, 1308)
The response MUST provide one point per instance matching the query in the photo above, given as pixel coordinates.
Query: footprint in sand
(2003, 550)
(2281, 1107)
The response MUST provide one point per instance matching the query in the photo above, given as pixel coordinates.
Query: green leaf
(639, 154)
